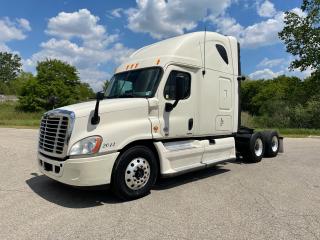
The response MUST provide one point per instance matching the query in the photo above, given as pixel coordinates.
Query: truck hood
(106, 105)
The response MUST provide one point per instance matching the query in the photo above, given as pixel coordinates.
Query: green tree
(53, 70)
(311, 85)
(279, 102)
(16, 85)
(60, 80)
(55, 80)
(31, 95)
(249, 89)
(85, 92)
(307, 116)
(10, 66)
(301, 35)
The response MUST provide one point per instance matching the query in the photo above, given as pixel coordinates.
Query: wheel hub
(274, 143)
(137, 173)
(258, 147)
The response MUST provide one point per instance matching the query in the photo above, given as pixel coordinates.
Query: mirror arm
(169, 106)
(96, 118)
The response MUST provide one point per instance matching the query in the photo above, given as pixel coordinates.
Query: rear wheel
(272, 143)
(134, 173)
(255, 150)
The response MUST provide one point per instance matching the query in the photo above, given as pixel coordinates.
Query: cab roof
(186, 49)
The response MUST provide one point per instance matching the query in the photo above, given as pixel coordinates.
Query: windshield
(137, 83)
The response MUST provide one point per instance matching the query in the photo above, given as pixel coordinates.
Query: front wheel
(134, 173)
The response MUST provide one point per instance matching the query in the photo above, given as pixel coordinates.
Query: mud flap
(281, 147)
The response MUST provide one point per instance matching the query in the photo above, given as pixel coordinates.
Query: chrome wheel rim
(258, 147)
(137, 173)
(274, 143)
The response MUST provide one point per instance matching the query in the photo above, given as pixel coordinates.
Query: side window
(223, 53)
(171, 85)
(127, 87)
(123, 87)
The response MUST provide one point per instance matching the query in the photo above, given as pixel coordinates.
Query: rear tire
(134, 173)
(255, 150)
(271, 139)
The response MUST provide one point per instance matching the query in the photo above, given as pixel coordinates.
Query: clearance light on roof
(132, 66)
(158, 61)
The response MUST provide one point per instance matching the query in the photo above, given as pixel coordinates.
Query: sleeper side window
(223, 53)
(171, 85)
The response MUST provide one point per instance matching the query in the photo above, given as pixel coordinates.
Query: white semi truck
(170, 108)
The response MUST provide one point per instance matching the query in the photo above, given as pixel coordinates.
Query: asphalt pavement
(278, 198)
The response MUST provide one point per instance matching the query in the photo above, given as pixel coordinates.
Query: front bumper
(90, 171)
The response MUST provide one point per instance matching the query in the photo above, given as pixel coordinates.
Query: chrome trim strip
(91, 155)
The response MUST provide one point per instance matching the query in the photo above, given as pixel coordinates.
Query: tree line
(56, 83)
(283, 102)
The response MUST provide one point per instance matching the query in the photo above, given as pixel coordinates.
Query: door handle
(190, 124)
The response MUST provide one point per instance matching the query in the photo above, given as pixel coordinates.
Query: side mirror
(180, 94)
(180, 88)
(100, 96)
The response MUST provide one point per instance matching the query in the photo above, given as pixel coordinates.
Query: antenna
(204, 51)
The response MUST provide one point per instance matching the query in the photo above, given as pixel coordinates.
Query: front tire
(134, 173)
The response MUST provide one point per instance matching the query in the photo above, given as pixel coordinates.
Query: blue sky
(96, 35)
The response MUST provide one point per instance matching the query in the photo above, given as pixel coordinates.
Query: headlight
(89, 145)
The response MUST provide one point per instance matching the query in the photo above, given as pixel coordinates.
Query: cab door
(179, 121)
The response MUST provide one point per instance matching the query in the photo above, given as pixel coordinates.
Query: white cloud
(263, 74)
(94, 77)
(270, 63)
(299, 12)
(95, 48)
(81, 56)
(116, 13)
(162, 18)
(24, 23)
(266, 9)
(4, 48)
(264, 33)
(275, 67)
(257, 35)
(268, 73)
(12, 30)
(80, 24)
(83, 25)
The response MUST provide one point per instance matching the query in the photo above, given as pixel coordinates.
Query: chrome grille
(54, 134)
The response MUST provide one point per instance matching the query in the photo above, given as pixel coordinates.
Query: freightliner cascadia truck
(172, 107)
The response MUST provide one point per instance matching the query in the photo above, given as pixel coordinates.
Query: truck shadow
(167, 183)
(68, 196)
(86, 197)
